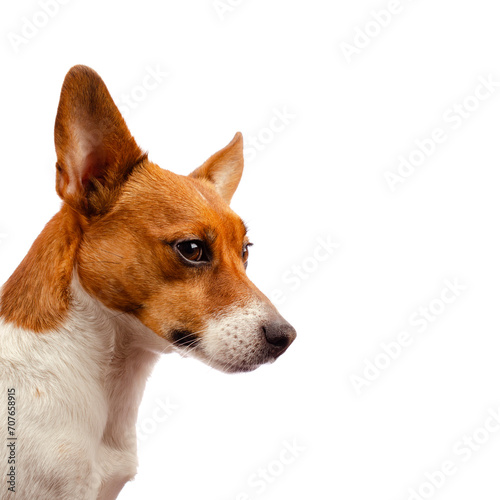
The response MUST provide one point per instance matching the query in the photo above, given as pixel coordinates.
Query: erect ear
(224, 168)
(95, 150)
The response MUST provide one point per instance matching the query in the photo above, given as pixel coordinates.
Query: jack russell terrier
(138, 261)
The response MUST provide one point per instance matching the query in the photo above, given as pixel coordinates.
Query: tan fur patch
(36, 296)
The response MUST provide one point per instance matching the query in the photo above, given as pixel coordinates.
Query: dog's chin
(240, 366)
(243, 368)
(221, 365)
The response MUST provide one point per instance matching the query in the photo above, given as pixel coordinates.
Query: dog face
(163, 247)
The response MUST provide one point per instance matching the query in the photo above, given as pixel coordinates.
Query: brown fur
(119, 222)
(132, 244)
(88, 120)
(36, 296)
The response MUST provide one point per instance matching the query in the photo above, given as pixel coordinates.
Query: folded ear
(95, 150)
(224, 168)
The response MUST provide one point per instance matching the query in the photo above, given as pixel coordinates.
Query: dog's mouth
(185, 339)
(240, 340)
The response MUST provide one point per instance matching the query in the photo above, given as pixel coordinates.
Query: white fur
(234, 341)
(77, 394)
(78, 390)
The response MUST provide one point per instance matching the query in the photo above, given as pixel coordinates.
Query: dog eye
(245, 252)
(193, 251)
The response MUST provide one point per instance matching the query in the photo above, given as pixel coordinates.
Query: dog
(138, 261)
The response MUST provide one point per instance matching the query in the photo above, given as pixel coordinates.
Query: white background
(321, 176)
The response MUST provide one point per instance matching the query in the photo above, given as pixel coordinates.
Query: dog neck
(127, 353)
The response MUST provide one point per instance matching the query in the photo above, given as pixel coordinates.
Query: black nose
(279, 334)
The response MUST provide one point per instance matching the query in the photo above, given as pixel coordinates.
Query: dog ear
(95, 150)
(224, 168)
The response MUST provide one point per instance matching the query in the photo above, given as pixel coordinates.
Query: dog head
(163, 247)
